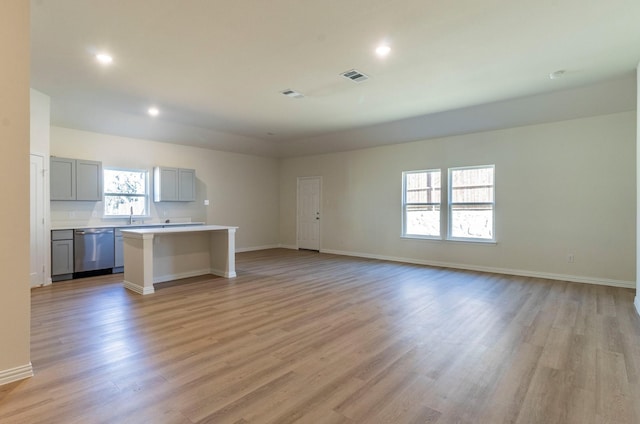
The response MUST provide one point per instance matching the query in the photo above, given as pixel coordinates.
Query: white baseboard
(171, 277)
(138, 289)
(180, 275)
(15, 374)
(221, 273)
(288, 246)
(251, 249)
(508, 271)
(269, 246)
(637, 303)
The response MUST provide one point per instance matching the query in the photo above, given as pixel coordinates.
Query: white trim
(403, 229)
(222, 273)
(637, 303)
(147, 193)
(509, 271)
(15, 374)
(171, 277)
(181, 275)
(138, 289)
(251, 249)
(196, 273)
(288, 246)
(450, 204)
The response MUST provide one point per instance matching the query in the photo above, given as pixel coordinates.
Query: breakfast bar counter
(155, 255)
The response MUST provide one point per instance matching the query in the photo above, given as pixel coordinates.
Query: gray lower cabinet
(174, 184)
(61, 255)
(75, 179)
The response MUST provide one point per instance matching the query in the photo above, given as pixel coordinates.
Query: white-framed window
(471, 206)
(126, 192)
(421, 199)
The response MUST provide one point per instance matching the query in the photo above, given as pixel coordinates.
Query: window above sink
(126, 193)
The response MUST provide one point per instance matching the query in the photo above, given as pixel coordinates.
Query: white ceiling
(215, 68)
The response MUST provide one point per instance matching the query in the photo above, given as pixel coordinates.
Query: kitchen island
(155, 255)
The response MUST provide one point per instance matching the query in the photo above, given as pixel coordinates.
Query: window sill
(417, 237)
(453, 240)
(473, 241)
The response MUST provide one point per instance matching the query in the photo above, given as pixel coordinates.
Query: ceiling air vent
(292, 93)
(355, 75)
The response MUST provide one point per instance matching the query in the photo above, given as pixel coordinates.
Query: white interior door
(37, 228)
(309, 213)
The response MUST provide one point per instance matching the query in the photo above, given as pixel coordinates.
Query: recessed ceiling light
(104, 58)
(153, 111)
(557, 74)
(383, 50)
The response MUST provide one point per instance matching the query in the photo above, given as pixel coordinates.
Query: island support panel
(154, 256)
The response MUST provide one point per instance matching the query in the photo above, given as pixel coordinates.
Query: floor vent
(292, 93)
(355, 75)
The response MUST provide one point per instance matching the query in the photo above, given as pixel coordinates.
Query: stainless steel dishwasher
(93, 249)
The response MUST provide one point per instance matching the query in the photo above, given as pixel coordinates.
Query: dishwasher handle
(94, 231)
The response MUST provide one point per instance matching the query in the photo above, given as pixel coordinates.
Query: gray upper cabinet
(187, 180)
(165, 184)
(88, 180)
(63, 178)
(174, 184)
(75, 179)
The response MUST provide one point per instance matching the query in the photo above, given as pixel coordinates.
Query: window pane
(422, 187)
(475, 221)
(474, 185)
(121, 205)
(421, 220)
(130, 182)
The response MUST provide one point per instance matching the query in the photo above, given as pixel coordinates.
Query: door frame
(45, 236)
(319, 178)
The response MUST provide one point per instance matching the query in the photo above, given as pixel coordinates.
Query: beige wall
(40, 105)
(14, 172)
(561, 188)
(242, 189)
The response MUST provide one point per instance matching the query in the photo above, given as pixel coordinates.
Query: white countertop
(124, 226)
(189, 229)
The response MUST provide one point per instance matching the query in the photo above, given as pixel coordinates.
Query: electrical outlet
(570, 258)
(206, 203)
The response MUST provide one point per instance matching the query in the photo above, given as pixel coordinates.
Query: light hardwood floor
(315, 338)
